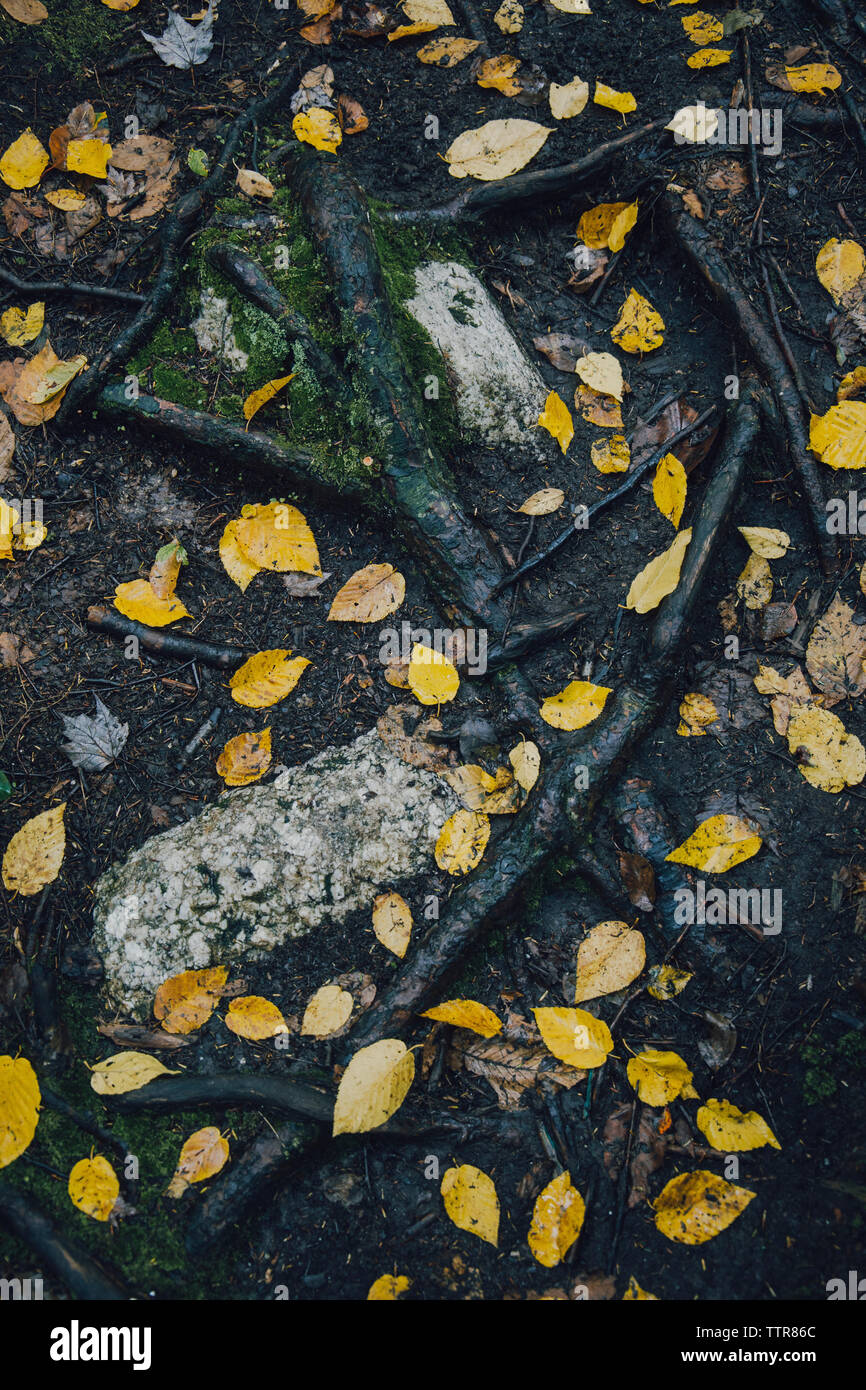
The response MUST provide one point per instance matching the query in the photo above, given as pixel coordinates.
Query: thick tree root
(704, 255)
(79, 1272)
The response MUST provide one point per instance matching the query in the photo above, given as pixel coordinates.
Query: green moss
(75, 36)
(826, 1064)
(174, 385)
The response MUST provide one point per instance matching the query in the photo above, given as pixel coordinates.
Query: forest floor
(112, 497)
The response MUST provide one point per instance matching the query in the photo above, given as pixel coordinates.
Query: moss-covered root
(79, 1272)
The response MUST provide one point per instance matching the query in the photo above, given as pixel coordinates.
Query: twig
(70, 287)
(165, 643)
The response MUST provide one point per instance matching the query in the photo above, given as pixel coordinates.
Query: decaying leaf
(35, 853)
(471, 1202)
(126, 1071)
(185, 1001)
(808, 77)
(755, 584)
(446, 52)
(93, 740)
(203, 1155)
(510, 1068)
(611, 455)
(667, 981)
(828, 757)
(20, 1099)
(836, 654)
(717, 845)
(245, 758)
(373, 1086)
(184, 45)
(839, 436)
(660, 1077)
(19, 326)
(496, 795)
(694, 1207)
(639, 328)
(568, 99)
(557, 1218)
(607, 225)
(94, 1187)
(462, 841)
(610, 956)
(370, 595)
(601, 371)
(639, 880)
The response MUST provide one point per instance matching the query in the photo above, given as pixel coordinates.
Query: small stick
(199, 737)
(71, 287)
(166, 643)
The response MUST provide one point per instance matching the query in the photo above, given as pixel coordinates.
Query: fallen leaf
(351, 115)
(138, 601)
(20, 1099)
(327, 1012)
(388, 1288)
(371, 594)
(26, 11)
(809, 77)
(93, 740)
(466, 1013)
(828, 757)
(256, 399)
(660, 577)
(495, 150)
(557, 1219)
(576, 706)
(697, 712)
(598, 409)
(245, 758)
(185, 1001)
(755, 584)
(318, 127)
(35, 853)
(717, 845)
(392, 922)
(93, 1187)
(255, 185)
(669, 488)
(660, 1077)
(471, 1202)
(556, 419)
(126, 1071)
(607, 225)
(694, 1207)
(184, 45)
(667, 981)
(254, 1018)
(542, 503)
(695, 125)
(266, 678)
(836, 654)
(568, 99)
(373, 1086)
(703, 28)
(639, 327)
(766, 542)
(445, 52)
(203, 1155)
(732, 1130)
(574, 1036)
(610, 956)
(634, 1292)
(611, 455)
(839, 436)
(510, 1068)
(19, 327)
(623, 102)
(462, 841)
(276, 537)
(433, 679)
(709, 57)
(24, 162)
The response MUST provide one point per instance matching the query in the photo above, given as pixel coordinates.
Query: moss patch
(75, 34)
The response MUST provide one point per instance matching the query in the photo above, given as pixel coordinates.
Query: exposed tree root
(79, 1272)
(69, 287)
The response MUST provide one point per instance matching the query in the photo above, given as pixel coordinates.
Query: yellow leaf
(427, 12)
(542, 503)
(126, 1071)
(575, 706)
(669, 488)
(138, 601)
(255, 185)
(369, 595)
(732, 1130)
(611, 455)
(433, 679)
(694, 124)
(639, 327)
(572, 6)
(509, 17)
(498, 73)
(610, 956)
(466, 1013)
(568, 99)
(574, 1036)
(204, 1154)
(373, 1086)
(526, 761)
(277, 537)
(660, 1077)
(602, 372)
(319, 127)
(462, 841)
(717, 845)
(696, 713)
(840, 265)
(667, 981)
(852, 384)
(813, 77)
(24, 162)
(702, 27)
(839, 437)
(238, 566)
(185, 1001)
(392, 922)
(267, 678)
(556, 419)
(388, 1288)
(765, 541)
(19, 327)
(597, 408)
(46, 376)
(88, 156)
(20, 1099)
(557, 1218)
(755, 584)
(495, 150)
(479, 791)
(634, 1293)
(35, 852)
(256, 399)
(614, 100)
(255, 1018)
(660, 577)
(709, 57)
(326, 1013)
(446, 53)
(245, 758)
(121, 5)
(93, 1187)
(607, 222)
(408, 31)
(471, 1202)
(694, 1207)
(828, 757)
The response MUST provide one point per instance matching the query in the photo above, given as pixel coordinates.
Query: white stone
(499, 393)
(214, 331)
(265, 864)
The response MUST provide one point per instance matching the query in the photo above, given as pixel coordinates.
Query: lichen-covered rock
(214, 331)
(499, 393)
(265, 864)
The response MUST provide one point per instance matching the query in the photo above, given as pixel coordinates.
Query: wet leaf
(496, 795)
(557, 1219)
(267, 678)
(607, 225)
(694, 1207)
(24, 162)
(634, 1293)
(203, 1155)
(576, 706)
(840, 266)
(20, 1099)
(574, 1036)
(709, 57)
(836, 654)
(471, 1202)
(526, 761)
(660, 577)
(639, 327)
(277, 537)
(839, 436)
(255, 185)
(703, 28)
(670, 484)
(717, 845)
(184, 45)
(697, 712)
(19, 326)
(732, 1130)
(256, 399)
(766, 542)
(509, 17)
(245, 758)
(388, 1288)
(556, 419)
(755, 584)
(373, 1086)
(495, 150)
(611, 455)
(610, 956)
(137, 600)
(667, 981)
(623, 102)
(433, 679)
(126, 1071)
(94, 1187)
(327, 1012)
(808, 77)
(185, 1001)
(462, 841)
(447, 52)
(828, 757)
(660, 1077)
(35, 853)
(639, 880)
(466, 1013)
(392, 922)
(602, 372)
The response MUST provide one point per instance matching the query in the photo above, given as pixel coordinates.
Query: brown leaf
(21, 212)
(350, 114)
(58, 141)
(134, 1036)
(320, 32)
(730, 177)
(562, 350)
(693, 203)
(639, 879)
(511, 1068)
(368, 21)
(649, 437)
(401, 730)
(7, 447)
(647, 1154)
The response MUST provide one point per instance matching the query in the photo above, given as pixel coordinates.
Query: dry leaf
(373, 1086)
(495, 150)
(471, 1202)
(462, 841)
(126, 1071)
(610, 956)
(556, 419)
(327, 1012)
(370, 595)
(660, 577)
(542, 503)
(204, 1154)
(392, 922)
(35, 853)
